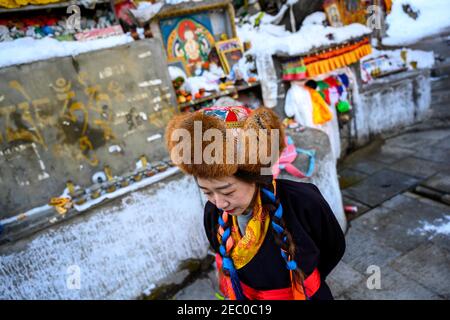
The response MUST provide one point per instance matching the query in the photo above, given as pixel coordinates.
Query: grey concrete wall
(67, 118)
(117, 251)
(390, 103)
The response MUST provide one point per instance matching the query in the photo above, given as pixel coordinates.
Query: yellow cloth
(388, 4)
(321, 111)
(327, 65)
(10, 4)
(247, 246)
(61, 204)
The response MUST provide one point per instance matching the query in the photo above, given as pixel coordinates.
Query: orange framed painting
(231, 57)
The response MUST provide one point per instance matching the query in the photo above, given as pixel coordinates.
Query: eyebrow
(218, 188)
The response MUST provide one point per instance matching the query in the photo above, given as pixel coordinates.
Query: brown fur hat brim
(183, 126)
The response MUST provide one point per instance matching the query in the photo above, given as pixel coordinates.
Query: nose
(221, 202)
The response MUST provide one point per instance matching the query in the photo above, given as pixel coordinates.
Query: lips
(230, 211)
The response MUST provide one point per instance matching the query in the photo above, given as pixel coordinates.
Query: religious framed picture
(121, 9)
(179, 63)
(192, 31)
(230, 58)
(189, 37)
(333, 10)
(230, 44)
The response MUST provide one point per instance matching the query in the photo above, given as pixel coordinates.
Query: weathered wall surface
(67, 118)
(390, 103)
(118, 250)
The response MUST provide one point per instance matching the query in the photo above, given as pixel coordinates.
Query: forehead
(216, 183)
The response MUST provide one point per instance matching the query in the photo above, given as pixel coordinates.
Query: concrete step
(439, 97)
(440, 111)
(441, 69)
(438, 43)
(441, 83)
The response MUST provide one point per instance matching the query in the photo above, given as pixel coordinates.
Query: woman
(274, 239)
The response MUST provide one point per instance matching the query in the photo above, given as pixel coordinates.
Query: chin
(236, 212)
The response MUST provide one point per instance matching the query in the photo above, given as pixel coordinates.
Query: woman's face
(229, 193)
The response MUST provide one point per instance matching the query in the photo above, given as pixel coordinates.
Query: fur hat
(232, 122)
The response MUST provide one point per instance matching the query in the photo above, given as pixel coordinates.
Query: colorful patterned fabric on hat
(234, 117)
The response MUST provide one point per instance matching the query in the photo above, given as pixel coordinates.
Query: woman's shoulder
(306, 193)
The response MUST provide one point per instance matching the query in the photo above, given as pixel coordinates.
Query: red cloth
(331, 81)
(311, 283)
(277, 294)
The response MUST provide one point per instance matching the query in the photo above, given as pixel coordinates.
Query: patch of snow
(271, 39)
(26, 50)
(424, 59)
(243, 69)
(146, 10)
(440, 226)
(316, 18)
(207, 81)
(176, 72)
(114, 148)
(404, 30)
(180, 1)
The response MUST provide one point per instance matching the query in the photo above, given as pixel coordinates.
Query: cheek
(240, 201)
(211, 199)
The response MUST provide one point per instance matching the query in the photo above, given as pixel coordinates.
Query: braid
(288, 245)
(283, 238)
(226, 244)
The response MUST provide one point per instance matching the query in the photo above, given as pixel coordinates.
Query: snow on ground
(25, 50)
(441, 226)
(433, 17)
(271, 39)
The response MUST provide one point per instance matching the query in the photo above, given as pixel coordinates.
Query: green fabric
(343, 106)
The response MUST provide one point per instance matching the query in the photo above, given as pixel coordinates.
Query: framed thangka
(190, 30)
(230, 58)
(189, 37)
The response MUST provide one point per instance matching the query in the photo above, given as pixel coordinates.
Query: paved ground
(403, 234)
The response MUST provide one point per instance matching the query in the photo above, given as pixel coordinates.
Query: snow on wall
(404, 30)
(26, 50)
(271, 39)
(118, 250)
